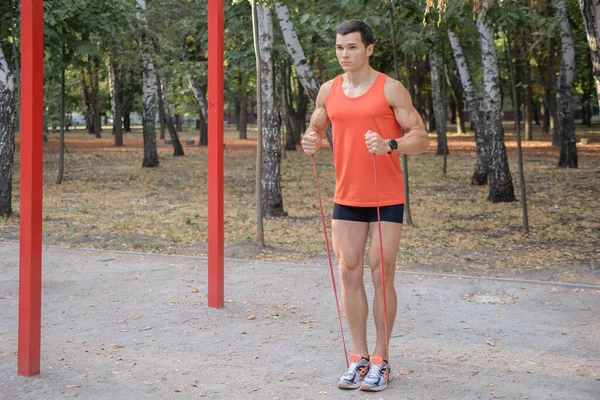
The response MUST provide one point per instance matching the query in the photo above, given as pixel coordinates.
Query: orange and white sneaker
(378, 377)
(352, 378)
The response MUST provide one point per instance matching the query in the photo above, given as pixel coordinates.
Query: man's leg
(391, 239)
(349, 239)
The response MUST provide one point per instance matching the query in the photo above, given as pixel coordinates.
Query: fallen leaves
(480, 237)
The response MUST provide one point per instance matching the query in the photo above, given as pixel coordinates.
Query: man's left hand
(375, 143)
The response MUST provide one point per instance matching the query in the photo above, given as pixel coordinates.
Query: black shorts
(394, 213)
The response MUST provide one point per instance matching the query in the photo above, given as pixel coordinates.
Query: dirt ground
(123, 326)
(107, 201)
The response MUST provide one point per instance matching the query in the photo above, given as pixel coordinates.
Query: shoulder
(326, 87)
(395, 93)
(324, 91)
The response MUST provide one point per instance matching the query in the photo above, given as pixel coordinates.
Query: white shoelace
(375, 372)
(352, 370)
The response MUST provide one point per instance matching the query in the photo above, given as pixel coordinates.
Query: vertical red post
(215, 154)
(32, 120)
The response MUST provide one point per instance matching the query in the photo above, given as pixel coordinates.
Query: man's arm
(415, 139)
(319, 120)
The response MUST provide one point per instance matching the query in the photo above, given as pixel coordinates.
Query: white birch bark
(480, 174)
(590, 9)
(271, 188)
(500, 180)
(568, 148)
(149, 91)
(7, 136)
(200, 97)
(112, 90)
(305, 74)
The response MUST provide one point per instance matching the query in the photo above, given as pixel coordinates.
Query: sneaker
(355, 374)
(378, 376)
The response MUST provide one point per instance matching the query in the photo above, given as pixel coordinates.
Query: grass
(108, 201)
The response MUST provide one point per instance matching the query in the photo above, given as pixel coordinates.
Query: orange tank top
(351, 118)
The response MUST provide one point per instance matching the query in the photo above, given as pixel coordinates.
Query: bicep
(406, 115)
(408, 118)
(319, 119)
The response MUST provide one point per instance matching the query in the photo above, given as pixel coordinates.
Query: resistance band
(385, 319)
(337, 304)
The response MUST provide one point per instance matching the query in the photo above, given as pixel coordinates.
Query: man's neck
(361, 76)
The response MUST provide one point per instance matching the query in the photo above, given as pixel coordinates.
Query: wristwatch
(393, 145)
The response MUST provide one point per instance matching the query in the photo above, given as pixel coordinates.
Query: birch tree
(163, 93)
(472, 102)
(7, 135)
(500, 180)
(114, 80)
(303, 70)
(590, 9)
(568, 148)
(439, 108)
(272, 199)
(305, 74)
(149, 91)
(200, 94)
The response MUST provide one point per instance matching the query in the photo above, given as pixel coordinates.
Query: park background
(142, 185)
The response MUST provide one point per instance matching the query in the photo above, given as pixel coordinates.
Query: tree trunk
(200, 93)
(481, 170)
(115, 95)
(127, 121)
(161, 107)
(500, 180)
(7, 136)
(285, 109)
(242, 112)
(271, 194)
(86, 103)
(513, 85)
(307, 78)
(590, 9)
(13, 30)
(439, 109)
(299, 114)
(61, 150)
(568, 148)
(528, 103)
(243, 117)
(309, 81)
(164, 92)
(458, 114)
(149, 91)
(94, 73)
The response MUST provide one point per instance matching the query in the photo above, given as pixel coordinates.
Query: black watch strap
(393, 145)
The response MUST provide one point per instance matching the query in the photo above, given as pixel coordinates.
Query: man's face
(351, 51)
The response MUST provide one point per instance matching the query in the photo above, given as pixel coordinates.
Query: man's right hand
(311, 142)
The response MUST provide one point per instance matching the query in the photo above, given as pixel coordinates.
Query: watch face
(393, 144)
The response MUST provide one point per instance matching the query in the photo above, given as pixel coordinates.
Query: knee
(389, 263)
(351, 273)
(376, 273)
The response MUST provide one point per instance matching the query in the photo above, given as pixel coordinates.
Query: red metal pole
(215, 154)
(32, 117)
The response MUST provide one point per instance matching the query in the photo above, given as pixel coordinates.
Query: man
(368, 112)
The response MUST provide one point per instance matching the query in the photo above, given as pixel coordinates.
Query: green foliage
(96, 30)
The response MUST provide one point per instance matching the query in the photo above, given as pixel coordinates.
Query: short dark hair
(356, 25)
